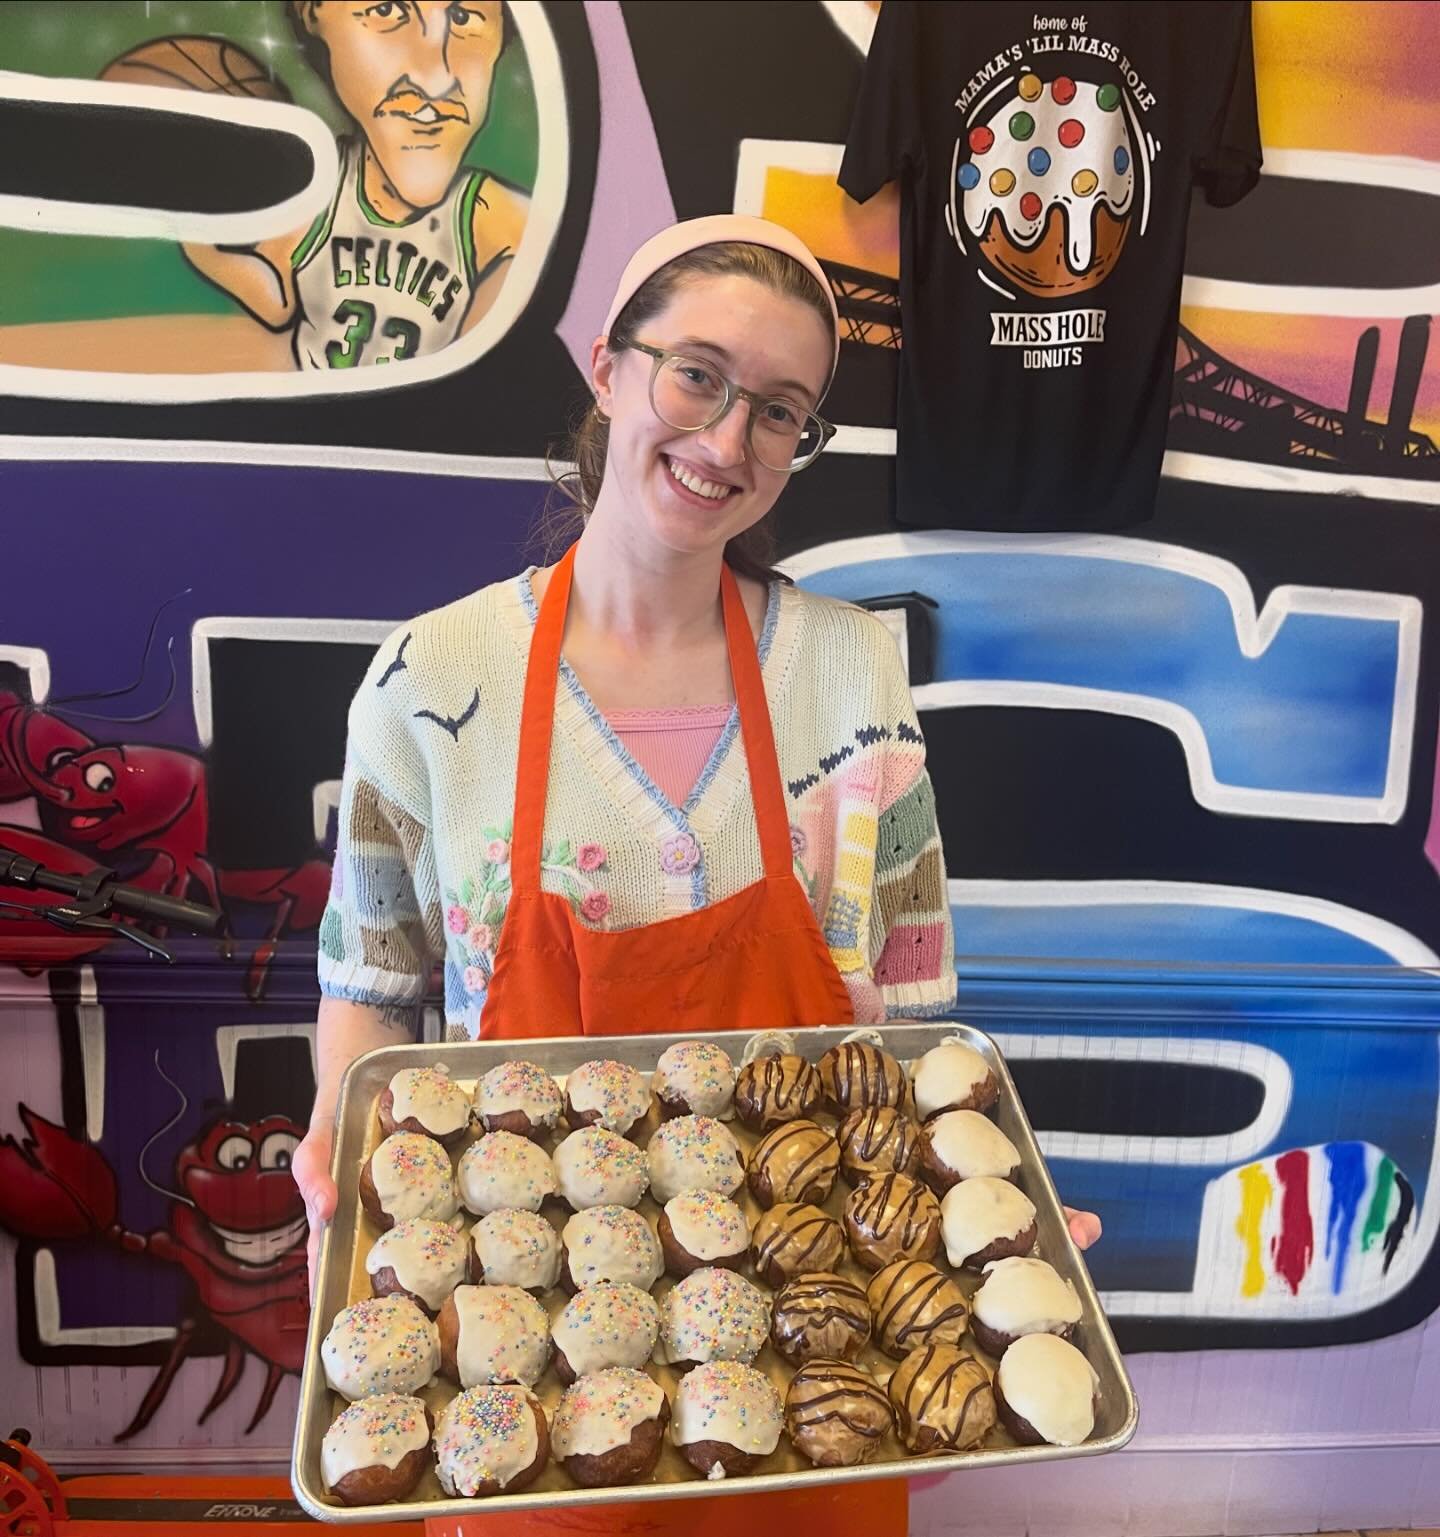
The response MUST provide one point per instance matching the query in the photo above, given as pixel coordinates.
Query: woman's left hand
(1085, 1227)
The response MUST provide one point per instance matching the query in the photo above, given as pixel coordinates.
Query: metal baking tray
(342, 1280)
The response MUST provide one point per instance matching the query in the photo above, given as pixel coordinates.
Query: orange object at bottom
(878, 1509)
(143, 1505)
(132, 1504)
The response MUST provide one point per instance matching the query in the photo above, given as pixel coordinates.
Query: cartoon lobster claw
(237, 1228)
(145, 810)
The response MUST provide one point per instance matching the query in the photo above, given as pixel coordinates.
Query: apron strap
(537, 722)
(756, 732)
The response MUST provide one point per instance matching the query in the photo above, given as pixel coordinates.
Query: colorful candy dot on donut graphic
(1052, 208)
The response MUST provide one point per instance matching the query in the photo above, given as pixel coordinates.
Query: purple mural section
(210, 540)
(630, 184)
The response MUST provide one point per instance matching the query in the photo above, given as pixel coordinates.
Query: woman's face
(759, 339)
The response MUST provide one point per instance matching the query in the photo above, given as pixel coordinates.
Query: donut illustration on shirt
(1046, 179)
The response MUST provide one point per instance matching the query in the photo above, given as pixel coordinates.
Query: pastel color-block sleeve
(381, 930)
(912, 937)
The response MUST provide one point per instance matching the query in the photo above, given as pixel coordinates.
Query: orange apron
(756, 960)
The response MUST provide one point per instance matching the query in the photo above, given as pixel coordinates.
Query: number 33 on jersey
(371, 291)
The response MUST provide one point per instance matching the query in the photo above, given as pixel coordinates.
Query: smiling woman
(792, 875)
(691, 394)
(716, 356)
(556, 815)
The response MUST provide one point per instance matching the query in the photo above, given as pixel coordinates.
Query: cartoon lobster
(145, 812)
(237, 1228)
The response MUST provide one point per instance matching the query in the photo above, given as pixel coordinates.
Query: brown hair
(752, 552)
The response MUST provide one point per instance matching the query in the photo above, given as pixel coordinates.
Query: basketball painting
(435, 120)
(196, 64)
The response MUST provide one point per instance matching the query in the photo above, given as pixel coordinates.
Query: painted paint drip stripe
(1396, 1231)
(1347, 1189)
(1293, 1247)
(1378, 1217)
(1255, 1194)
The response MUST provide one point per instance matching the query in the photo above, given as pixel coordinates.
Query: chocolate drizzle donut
(893, 1217)
(857, 1075)
(915, 1304)
(796, 1162)
(836, 1414)
(878, 1139)
(943, 1400)
(791, 1240)
(819, 1315)
(772, 1090)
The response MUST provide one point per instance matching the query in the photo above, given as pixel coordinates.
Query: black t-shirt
(1046, 155)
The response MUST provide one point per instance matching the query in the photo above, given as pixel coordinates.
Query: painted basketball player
(413, 248)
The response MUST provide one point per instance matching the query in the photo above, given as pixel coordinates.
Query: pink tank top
(672, 746)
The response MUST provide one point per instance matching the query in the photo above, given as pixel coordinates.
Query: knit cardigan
(422, 869)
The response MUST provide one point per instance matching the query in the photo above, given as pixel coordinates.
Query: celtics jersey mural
(429, 265)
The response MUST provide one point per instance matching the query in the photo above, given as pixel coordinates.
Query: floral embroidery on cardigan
(475, 913)
(679, 854)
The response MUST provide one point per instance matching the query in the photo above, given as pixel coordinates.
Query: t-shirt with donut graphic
(1049, 184)
(1047, 158)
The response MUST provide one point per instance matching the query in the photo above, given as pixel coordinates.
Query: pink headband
(717, 229)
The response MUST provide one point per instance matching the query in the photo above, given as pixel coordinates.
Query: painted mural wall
(293, 301)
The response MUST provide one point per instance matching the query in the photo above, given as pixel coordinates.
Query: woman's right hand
(310, 1166)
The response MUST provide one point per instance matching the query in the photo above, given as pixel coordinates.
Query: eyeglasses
(689, 394)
